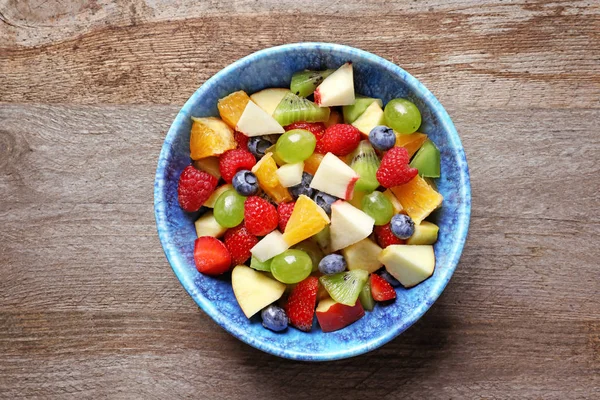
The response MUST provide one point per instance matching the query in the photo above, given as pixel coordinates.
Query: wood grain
(89, 307)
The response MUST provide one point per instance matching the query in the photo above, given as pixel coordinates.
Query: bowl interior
(375, 77)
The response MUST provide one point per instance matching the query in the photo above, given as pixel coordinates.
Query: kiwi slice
(305, 82)
(345, 286)
(366, 298)
(365, 162)
(293, 108)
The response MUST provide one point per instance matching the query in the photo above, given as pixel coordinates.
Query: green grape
(229, 209)
(378, 207)
(402, 116)
(291, 266)
(295, 145)
(313, 250)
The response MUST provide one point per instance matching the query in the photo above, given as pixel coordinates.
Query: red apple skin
(339, 316)
(350, 188)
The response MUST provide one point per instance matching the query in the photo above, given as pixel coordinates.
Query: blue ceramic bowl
(373, 76)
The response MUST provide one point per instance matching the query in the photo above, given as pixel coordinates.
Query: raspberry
(339, 139)
(385, 237)
(285, 212)
(241, 139)
(233, 161)
(195, 187)
(394, 169)
(239, 242)
(260, 216)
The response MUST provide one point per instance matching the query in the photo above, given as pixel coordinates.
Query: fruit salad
(314, 198)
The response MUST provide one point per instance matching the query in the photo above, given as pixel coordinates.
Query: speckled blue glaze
(374, 76)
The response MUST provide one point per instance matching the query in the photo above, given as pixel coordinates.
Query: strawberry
(260, 216)
(241, 139)
(385, 237)
(381, 290)
(194, 188)
(285, 212)
(233, 161)
(339, 139)
(239, 242)
(394, 169)
(300, 306)
(211, 256)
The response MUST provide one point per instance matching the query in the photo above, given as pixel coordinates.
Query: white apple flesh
(335, 177)
(290, 174)
(269, 246)
(256, 122)
(207, 225)
(409, 264)
(254, 290)
(368, 120)
(337, 89)
(348, 225)
(269, 99)
(362, 255)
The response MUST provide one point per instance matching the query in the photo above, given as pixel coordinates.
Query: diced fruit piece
(305, 82)
(357, 199)
(409, 264)
(394, 169)
(323, 239)
(313, 250)
(231, 107)
(334, 118)
(337, 89)
(306, 220)
(382, 138)
(355, 110)
(233, 161)
(418, 199)
(269, 99)
(274, 318)
(340, 139)
(293, 108)
(402, 226)
(229, 209)
(258, 265)
(303, 187)
(378, 207)
(194, 188)
(210, 203)
(290, 174)
(210, 165)
(427, 160)
(241, 140)
(269, 246)
(211, 256)
(392, 198)
(425, 233)
(411, 143)
(372, 117)
(285, 212)
(260, 216)
(348, 225)
(385, 237)
(301, 303)
(345, 286)
(381, 290)
(311, 164)
(333, 316)
(245, 183)
(335, 177)
(258, 146)
(210, 137)
(239, 241)
(291, 266)
(365, 162)
(403, 116)
(362, 255)
(295, 145)
(276, 158)
(254, 290)
(207, 225)
(256, 122)
(365, 297)
(266, 172)
(332, 264)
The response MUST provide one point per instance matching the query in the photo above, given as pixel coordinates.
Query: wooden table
(89, 307)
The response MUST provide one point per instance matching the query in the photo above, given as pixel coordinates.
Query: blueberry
(332, 264)
(389, 278)
(257, 146)
(324, 201)
(402, 226)
(382, 137)
(274, 318)
(245, 183)
(303, 187)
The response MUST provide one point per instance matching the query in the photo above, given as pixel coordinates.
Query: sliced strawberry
(381, 290)
(211, 256)
(301, 304)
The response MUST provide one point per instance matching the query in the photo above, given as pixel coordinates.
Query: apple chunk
(333, 316)
(254, 290)
(269, 99)
(256, 122)
(348, 225)
(337, 89)
(335, 177)
(409, 264)
(269, 246)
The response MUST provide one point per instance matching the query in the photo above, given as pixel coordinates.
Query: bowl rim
(176, 262)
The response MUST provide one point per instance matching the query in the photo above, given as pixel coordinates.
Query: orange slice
(418, 199)
(231, 107)
(311, 164)
(306, 220)
(267, 179)
(210, 137)
(412, 142)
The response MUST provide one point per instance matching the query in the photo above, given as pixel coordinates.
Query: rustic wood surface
(89, 307)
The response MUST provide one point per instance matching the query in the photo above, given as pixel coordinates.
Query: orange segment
(412, 142)
(312, 163)
(210, 165)
(306, 220)
(267, 179)
(231, 107)
(210, 137)
(418, 199)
